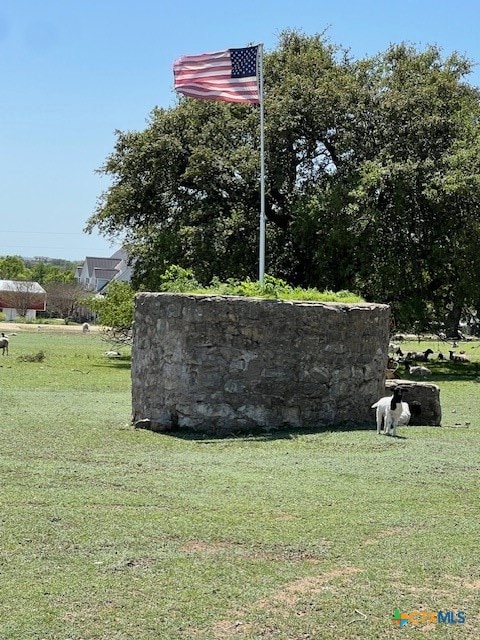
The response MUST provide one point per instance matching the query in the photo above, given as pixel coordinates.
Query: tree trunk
(453, 320)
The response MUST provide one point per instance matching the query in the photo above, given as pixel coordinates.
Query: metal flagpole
(261, 268)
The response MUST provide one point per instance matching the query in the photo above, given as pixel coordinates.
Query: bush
(179, 280)
(32, 357)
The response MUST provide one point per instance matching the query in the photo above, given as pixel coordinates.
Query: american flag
(229, 76)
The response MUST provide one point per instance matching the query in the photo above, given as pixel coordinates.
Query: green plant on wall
(179, 280)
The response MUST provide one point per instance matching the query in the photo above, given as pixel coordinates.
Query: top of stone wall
(256, 300)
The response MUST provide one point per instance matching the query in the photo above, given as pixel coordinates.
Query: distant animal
(441, 356)
(417, 370)
(112, 354)
(4, 345)
(392, 366)
(85, 327)
(458, 357)
(419, 355)
(391, 374)
(388, 411)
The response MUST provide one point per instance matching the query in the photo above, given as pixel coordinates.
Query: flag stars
(244, 62)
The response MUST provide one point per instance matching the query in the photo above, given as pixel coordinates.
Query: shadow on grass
(124, 362)
(446, 371)
(260, 435)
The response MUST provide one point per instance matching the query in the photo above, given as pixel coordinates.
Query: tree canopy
(115, 310)
(17, 268)
(372, 180)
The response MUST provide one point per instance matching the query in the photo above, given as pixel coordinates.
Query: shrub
(32, 357)
(177, 279)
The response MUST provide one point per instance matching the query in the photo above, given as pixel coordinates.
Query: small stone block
(427, 394)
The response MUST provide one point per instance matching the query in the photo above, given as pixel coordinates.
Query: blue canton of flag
(244, 62)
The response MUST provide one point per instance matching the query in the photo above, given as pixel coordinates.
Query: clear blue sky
(74, 71)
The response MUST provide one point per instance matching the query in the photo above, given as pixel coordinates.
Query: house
(20, 298)
(95, 273)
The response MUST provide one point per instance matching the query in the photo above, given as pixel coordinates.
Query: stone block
(426, 393)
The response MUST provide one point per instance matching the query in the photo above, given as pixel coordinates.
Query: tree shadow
(445, 371)
(124, 362)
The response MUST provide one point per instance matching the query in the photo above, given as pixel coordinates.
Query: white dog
(389, 412)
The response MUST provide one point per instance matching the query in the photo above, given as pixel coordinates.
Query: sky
(73, 72)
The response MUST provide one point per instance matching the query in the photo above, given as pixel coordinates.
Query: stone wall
(221, 364)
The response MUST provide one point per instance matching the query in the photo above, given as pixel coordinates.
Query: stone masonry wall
(221, 364)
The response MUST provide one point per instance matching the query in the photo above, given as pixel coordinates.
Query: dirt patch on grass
(276, 553)
(289, 595)
(17, 327)
(401, 532)
(228, 629)
(200, 546)
(284, 602)
(470, 583)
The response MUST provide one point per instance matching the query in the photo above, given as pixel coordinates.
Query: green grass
(113, 533)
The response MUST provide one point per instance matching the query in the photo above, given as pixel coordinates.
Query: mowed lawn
(108, 532)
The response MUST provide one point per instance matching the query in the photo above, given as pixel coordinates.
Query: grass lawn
(113, 533)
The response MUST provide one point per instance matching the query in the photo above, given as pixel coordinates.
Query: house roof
(100, 263)
(105, 274)
(120, 254)
(15, 285)
(99, 268)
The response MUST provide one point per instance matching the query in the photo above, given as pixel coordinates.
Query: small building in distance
(21, 298)
(95, 273)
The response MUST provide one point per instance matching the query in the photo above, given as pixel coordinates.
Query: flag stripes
(228, 76)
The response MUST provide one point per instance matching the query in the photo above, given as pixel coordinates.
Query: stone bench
(426, 393)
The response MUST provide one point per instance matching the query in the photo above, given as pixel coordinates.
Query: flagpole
(261, 258)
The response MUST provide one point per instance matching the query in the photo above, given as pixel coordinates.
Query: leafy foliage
(115, 310)
(177, 279)
(43, 272)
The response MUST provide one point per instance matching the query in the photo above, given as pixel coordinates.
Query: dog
(388, 412)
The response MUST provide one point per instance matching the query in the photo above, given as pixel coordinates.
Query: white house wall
(11, 314)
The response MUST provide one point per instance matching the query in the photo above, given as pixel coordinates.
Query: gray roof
(106, 274)
(100, 263)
